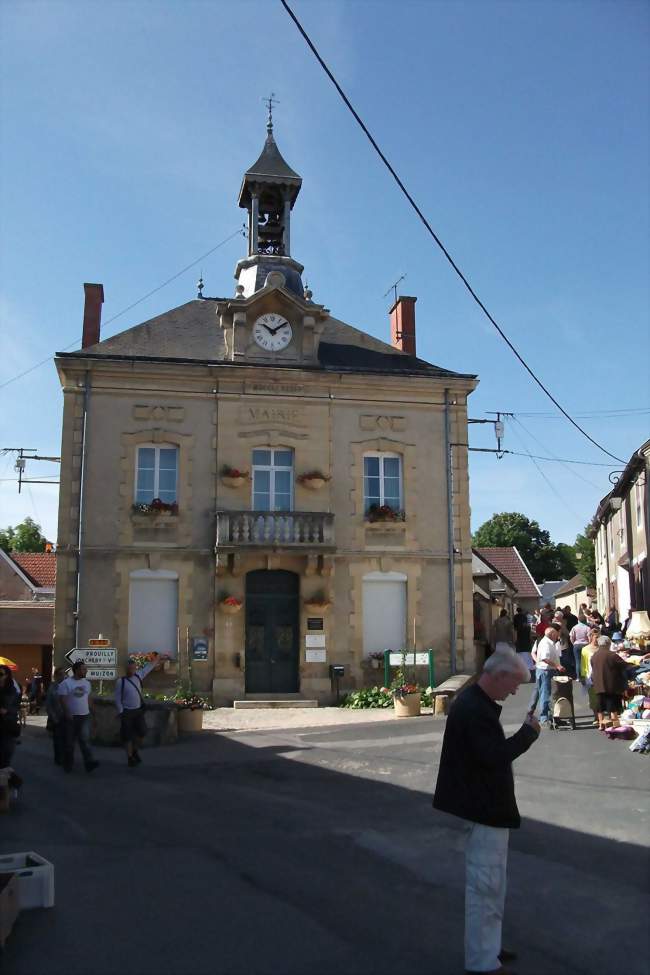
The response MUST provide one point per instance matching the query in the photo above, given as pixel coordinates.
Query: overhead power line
(153, 291)
(435, 237)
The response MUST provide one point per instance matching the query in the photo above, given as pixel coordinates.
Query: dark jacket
(10, 702)
(608, 672)
(475, 778)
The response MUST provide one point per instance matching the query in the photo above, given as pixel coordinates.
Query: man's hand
(532, 721)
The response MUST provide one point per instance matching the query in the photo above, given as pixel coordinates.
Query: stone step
(273, 702)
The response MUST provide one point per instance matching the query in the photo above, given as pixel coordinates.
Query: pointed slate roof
(270, 167)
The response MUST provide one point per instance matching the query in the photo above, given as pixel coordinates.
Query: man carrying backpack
(130, 706)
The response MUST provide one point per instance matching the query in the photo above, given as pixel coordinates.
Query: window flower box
(384, 513)
(156, 509)
(230, 605)
(232, 477)
(313, 480)
(317, 605)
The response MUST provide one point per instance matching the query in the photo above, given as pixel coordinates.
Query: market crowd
(589, 649)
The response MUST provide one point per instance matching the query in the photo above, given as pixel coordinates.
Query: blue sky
(520, 128)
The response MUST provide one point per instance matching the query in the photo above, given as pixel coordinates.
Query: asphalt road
(317, 851)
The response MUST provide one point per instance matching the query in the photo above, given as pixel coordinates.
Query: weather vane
(270, 102)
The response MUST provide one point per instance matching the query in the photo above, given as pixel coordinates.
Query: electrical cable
(129, 307)
(594, 414)
(565, 464)
(431, 231)
(545, 478)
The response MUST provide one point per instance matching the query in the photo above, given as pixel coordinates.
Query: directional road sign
(94, 656)
(101, 673)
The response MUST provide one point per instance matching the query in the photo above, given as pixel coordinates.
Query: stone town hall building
(317, 570)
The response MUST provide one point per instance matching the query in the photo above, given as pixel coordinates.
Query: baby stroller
(562, 711)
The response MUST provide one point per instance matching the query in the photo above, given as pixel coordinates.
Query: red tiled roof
(510, 563)
(39, 567)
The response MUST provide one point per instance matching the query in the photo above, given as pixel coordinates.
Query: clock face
(272, 332)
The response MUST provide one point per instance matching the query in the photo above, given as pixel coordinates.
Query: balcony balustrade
(275, 529)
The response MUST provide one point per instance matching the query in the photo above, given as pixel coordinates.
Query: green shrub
(380, 697)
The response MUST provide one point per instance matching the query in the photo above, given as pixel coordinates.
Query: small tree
(25, 537)
(586, 560)
(544, 559)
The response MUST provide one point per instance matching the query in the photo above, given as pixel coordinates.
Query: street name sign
(101, 673)
(94, 656)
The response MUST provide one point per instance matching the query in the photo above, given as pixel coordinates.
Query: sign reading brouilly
(94, 656)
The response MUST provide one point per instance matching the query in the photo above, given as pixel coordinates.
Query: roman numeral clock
(272, 332)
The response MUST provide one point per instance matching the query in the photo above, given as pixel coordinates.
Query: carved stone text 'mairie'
(286, 415)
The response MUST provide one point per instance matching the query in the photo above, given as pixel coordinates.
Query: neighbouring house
(492, 591)
(574, 593)
(548, 591)
(510, 564)
(620, 531)
(27, 583)
(260, 489)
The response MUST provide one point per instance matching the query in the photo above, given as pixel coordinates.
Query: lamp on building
(639, 627)
(616, 503)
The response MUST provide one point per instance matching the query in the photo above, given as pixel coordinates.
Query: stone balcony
(296, 530)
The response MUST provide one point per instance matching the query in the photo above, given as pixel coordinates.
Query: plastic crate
(35, 876)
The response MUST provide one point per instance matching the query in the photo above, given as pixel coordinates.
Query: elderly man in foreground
(475, 783)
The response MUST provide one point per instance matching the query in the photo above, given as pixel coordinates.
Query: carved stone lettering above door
(150, 411)
(370, 421)
(284, 415)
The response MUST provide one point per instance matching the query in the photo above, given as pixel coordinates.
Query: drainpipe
(645, 457)
(82, 492)
(450, 541)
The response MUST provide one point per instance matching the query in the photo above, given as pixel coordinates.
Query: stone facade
(195, 379)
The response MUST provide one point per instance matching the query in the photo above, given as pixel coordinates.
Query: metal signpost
(100, 659)
(408, 659)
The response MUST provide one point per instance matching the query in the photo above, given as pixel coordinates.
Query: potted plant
(190, 709)
(230, 605)
(407, 698)
(232, 477)
(318, 603)
(314, 480)
(156, 507)
(376, 659)
(384, 512)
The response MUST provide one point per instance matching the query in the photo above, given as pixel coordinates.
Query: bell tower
(268, 192)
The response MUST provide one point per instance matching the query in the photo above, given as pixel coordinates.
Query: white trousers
(486, 859)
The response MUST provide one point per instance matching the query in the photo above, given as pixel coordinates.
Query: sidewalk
(263, 719)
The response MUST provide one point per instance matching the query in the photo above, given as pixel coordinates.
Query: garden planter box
(190, 719)
(160, 717)
(408, 706)
(34, 876)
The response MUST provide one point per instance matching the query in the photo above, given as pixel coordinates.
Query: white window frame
(157, 447)
(271, 468)
(383, 455)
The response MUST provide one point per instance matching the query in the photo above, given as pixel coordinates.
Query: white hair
(604, 641)
(506, 662)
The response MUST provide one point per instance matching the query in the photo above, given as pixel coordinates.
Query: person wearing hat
(130, 706)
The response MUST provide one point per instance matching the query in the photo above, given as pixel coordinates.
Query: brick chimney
(92, 314)
(402, 324)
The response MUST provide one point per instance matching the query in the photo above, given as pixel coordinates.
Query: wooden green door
(272, 632)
